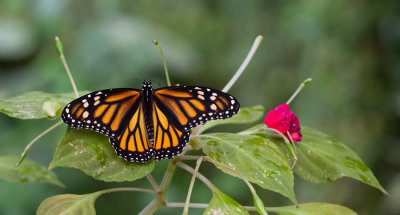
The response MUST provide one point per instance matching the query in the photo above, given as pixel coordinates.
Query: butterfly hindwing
(189, 106)
(168, 139)
(133, 143)
(105, 111)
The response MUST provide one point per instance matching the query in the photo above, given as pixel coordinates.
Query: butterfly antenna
(156, 82)
(139, 79)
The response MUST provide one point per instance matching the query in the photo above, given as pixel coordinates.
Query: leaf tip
(21, 159)
(59, 46)
(259, 204)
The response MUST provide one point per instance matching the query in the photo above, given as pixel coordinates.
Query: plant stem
(27, 147)
(199, 175)
(302, 85)
(246, 61)
(153, 182)
(196, 170)
(253, 49)
(127, 189)
(189, 157)
(291, 147)
(154, 205)
(182, 204)
(164, 61)
(64, 62)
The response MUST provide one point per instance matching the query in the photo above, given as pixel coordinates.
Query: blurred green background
(350, 48)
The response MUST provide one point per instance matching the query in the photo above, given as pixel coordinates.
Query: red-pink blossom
(284, 120)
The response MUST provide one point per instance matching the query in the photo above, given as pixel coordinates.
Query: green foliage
(323, 159)
(223, 204)
(256, 155)
(257, 159)
(91, 153)
(314, 208)
(28, 172)
(69, 204)
(30, 105)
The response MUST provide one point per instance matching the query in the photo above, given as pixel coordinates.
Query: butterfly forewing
(189, 106)
(102, 111)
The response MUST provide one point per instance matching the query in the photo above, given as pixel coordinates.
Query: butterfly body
(147, 123)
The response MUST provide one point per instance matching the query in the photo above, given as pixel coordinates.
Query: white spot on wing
(85, 114)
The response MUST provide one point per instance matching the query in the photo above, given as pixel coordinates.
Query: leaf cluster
(255, 155)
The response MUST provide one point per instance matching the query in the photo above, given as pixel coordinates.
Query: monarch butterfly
(144, 124)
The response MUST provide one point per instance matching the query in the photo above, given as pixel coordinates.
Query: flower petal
(279, 118)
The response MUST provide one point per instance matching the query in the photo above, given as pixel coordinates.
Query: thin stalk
(201, 177)
(153, 182)
(27, 147)
(253, 49)
(302, 85)
(291, 147)
(196, 170)
(60, 51)
(164, 61)
(182, 204)
(189, 157)
(246, 61)
(159, 201)
(127, 189)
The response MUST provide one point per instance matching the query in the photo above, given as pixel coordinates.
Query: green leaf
(92, 153)
(223, 204)
(28, 172)
(245, 115)
(323, 159)
(69, 204)
(30, 105)
(313, 208)
(256, 158)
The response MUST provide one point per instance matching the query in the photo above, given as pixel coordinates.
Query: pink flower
(283, 119)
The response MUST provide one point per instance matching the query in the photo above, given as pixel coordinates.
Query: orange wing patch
(109, 114)
(73, 110)
(174, 93)
(100, 110)
(188, 108)
(134, 143)
(121, 96)
(197, 104)
(165, 134)
(183, 120)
